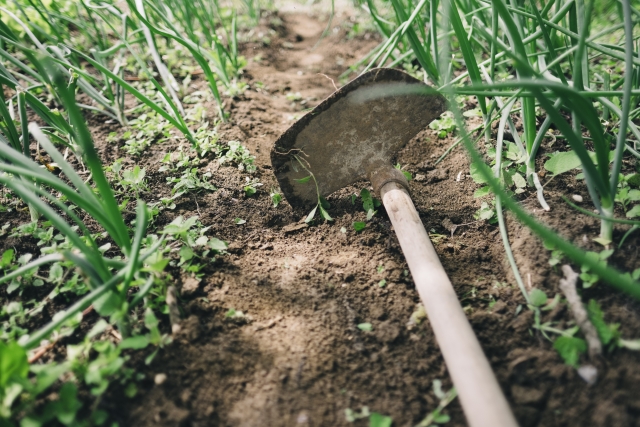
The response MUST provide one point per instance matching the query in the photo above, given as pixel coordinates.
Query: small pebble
(588, 373)
(303, 418)
(577, 198)
(160, 378)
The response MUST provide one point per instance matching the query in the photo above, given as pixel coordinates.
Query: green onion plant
(18, 171)
(529, 58)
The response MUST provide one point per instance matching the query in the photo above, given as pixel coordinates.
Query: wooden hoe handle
(480, 395)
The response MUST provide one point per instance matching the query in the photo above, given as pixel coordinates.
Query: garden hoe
(354, 135)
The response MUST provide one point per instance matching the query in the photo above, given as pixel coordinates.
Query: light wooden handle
(482, 400)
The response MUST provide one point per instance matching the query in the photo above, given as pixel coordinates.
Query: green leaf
(441, 418)
(107, 304)
(538, 298)
(634, 195)
(634, 180)
(7, 258)
(634, 212)
(570, 349)
(13, 362)
(379, 420)
(68, 404)
(239, 221)
(367, 200)
(46, 375)
(98, 328)
(324, 203)
(602, 241)
(151, 323)
(325, 214)
(367, 327)
(477, 176)
(519, 181)
(311, 215)
(359, 225)
(276, 198)
(382, 283)
(217, 244)
(605, 254)
(55, 273)
(486, 212)
(482, 191)
(136, 342)
(30, 421)
(562, 162)
(606, 332)
(186, 254)
(303, 180)
(131, 390)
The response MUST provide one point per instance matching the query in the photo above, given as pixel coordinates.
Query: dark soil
(299, 358)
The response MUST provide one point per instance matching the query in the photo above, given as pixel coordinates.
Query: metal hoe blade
(356, 129)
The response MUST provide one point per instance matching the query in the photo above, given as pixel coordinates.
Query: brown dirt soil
(299, 358)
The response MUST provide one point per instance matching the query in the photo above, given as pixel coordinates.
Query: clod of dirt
(235, 248)
(499, 307)
(190, 328)
(522, 322)
(449, 225)
(526, 395)
(426, 166)
(437, 175)
(291, 228)
(387, 332)
(190, 285)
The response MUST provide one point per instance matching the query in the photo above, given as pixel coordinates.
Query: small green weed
(276, 197)
(369, 203)
(359, 226)
(129, 180)
(191, 243)
(588, 278)
(570, 348)
(190, 181)
(351, 415)
(251, 186)
(444, 126)
(367, 327)
(406, 174)
(436, 417)
(238, 154)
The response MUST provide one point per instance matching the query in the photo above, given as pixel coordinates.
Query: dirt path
(299, 358)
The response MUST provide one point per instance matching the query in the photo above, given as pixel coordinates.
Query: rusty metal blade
(357, 128)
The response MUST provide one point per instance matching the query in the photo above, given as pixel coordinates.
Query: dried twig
(327, 77)
(41, 352)
(87, 310)
(568, 288)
